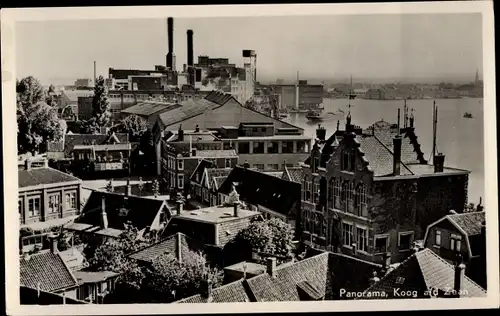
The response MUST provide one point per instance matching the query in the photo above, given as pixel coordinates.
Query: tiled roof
(71, 140)
(149, 108)
(219, 173)
(41, 176)
(257, 188)
(378, 156)
(94, 276)
(188, 109)
(422, 271)
(216, 153)
(386, 136)
(230, 293)
(277, 174)
(200, 170)
(47, 270)
(294, 174)
(168, 246)
(73, 95)
(141, 211)
(218, 97)
(31, 296)
(216, 214)
(470, 222)
(310, 290)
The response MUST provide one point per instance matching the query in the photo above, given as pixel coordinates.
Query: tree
(100, 105)
(37, 122)
(156, 188)
(272, 237)
(109, 186)
(50, 99)
(170, 280)
(134, 125)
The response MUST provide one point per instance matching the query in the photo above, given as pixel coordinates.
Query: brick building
(47, 198)
(206, 181)
(371, 192)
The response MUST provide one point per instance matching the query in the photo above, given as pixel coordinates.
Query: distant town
(188, 186)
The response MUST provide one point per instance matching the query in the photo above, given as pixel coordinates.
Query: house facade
(373, 193)
(47, 199)
(206, 181)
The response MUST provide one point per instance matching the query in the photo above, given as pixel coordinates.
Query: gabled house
(91, 153)
(108, 215)
(206, 181)
(463, 234)
(372, 192)
(316, 278)
(424, 275)
(47, 199)
(177, 247)
(268, 194)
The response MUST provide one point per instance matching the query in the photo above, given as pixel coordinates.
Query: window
(180, 181)
(259, 166)
(244, 148)
(54, 203)
(438, 238)
(455, 242)
(348, 161)
(308, 190)
(272, 147)
(71, 200)
(287, 147)
(405, 240)
(331, 192)
(258, 147)
(316, 193)
(347, 234)
(301, 147)
(362, 195)
(350, 192)
(34, 206)
(381, 244)
(228, 163)
(180, 164)
(361, 239)
(336, 193)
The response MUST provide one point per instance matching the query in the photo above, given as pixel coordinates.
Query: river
(460, 139)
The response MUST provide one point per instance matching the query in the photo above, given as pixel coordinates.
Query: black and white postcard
(253, 158)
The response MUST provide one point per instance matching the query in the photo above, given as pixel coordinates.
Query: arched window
(363, 206)
(336, 193)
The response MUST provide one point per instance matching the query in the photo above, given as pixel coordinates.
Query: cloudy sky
(371, 47)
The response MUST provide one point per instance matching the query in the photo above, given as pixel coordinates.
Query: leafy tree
(37, 122)
(109, 186)
(100, 105)
(134, 125)
(156, 188)
(170, 280)
(272, 236)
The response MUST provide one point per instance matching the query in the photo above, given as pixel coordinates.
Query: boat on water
(468, 115)
(315, 116)
(283, 113)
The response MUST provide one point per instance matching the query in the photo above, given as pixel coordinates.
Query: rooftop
(216, 214)
(31, 296)
(216, 153)
(274, 137)
(294, 174)
(470, 222)
(249, 267)
(46, 270)
(422, 271)
(73, 95)
(147, 108)
(43, 176)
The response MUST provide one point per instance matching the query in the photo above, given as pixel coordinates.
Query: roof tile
(41, 176)
(470, 222)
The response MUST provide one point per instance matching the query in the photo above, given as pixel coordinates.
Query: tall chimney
(104, 216)
(190, 57)
(170, 54)
(179, 207)
(320, 133)
(209, 291)
(53, 243)
(27, 164)
(397, 141)
(271, 267)
(439, 162)
(235, 208)
(459, 277)
(128, 190)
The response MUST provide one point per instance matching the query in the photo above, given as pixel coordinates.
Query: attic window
(400, 280)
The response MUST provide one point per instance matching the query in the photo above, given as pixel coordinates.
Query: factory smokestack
(190, 57)
(170, 55)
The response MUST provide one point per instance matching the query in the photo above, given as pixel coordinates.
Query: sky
(431, 47)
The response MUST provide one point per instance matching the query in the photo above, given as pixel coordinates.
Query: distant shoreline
(344, 98)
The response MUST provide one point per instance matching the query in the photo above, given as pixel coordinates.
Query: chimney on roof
(320, 133)
(452, 212)
(179, 207)
(178, 247)
(374, 279)
(386, 261)
(38, 289)
(190, 57)
(170, 54)
(271, 267)
(459, 275)
(180, 135)
(246, 165)
(236, 205)
(193, 152)
(439, 162)
(197, 129)
(128, 190)
(104, 216)
(209, 291)
(354, 248)
(53, 243)
(244, 270)
(338, 125)
(397, 142)
(27, 164)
